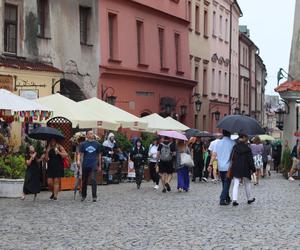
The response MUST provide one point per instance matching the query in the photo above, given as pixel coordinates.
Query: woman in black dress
(32, 184)
(55, 154)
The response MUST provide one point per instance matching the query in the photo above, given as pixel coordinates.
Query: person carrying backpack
(166, 153)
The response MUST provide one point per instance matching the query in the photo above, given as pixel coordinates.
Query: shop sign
(6, 82)
(30, 94)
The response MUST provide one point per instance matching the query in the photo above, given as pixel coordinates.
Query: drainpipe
(230, 48)
(239, 80)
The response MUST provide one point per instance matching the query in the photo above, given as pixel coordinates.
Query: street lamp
(217, 115)
(280, 118)
(183, 110)
(198, 105)
(109, 98)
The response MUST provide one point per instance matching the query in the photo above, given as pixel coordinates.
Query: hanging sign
(6, 82)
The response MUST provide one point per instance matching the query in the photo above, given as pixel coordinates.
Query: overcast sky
(271, 27)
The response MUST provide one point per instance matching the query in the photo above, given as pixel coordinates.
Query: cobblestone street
(127, 218)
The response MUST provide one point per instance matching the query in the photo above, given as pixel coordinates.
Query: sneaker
(83, 198)
(180, 190)
(51, 197)
(156, 187)
(204, 179)
(55, 198)
(224, 203)
(234, 203)
(94, 199)
(164, 190)
(168, 187)
(138, 186)
(251, 201)
(291, 179)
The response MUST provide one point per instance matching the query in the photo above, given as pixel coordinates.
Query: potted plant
(68, 181)
(286, 161)
(12, 172)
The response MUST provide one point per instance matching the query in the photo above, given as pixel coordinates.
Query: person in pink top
(257, 149)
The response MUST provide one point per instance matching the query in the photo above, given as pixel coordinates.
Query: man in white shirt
(221, 151)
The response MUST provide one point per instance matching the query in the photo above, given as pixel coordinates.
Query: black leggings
(154, 175)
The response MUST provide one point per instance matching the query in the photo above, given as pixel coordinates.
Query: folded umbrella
(240, 124)
(46, 134)
(197, 133)
(173, 134)
(266, 138)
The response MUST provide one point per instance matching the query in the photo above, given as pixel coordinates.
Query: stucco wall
(294, 68)
(62, 47)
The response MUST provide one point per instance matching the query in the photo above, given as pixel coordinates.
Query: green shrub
(68, 173)
(12, 166)
(286, 161)
(123, 142)
(147, 139)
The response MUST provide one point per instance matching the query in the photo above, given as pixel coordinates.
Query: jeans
(225, 186)
(85, 176)
(154, 175)
(183, 178)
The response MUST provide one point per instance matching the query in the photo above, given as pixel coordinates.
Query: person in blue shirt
(90, 153)
(222, 152)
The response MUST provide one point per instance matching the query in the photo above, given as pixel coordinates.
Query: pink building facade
(145, 57)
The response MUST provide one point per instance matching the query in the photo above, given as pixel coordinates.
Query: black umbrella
(240, 124)
(46, 134)
(197, 133)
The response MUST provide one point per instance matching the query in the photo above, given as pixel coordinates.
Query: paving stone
(126, 218)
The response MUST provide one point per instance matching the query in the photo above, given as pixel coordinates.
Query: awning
(125, 119)
(77, 113)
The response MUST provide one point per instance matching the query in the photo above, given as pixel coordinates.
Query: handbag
(229, 173)
(66, 162)
(186, 160)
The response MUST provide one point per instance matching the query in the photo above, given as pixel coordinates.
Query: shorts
(215, 165)
(166, 167)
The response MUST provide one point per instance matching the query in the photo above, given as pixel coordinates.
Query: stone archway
(145, 113)
(71, 90)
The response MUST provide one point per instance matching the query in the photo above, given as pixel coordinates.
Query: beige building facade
(214, 43)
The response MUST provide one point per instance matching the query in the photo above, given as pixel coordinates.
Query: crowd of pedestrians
(224, 160)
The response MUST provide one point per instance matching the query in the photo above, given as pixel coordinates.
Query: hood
(110, 135)
(242, 148)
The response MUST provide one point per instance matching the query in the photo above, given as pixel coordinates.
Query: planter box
(67, 183)
(10, 188)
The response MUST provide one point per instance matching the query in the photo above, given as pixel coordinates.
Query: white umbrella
(126, 119)
(177, 125)
(10, 102)
(77, 113)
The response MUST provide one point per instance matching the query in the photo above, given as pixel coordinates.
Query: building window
(178, 52)
(190, 12)
(204, 123)
(225, 81)
(197, 19)
(43, 17)
(226, 30)
(140, 41)
(84, 13)
(205, 23)
(214, 24)
(196, 73)
(221, 26)
(10, 28)
(246, 92)
(204, 82)
(161, 38)
(113, 36)
(220, 82)
(213, 81)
